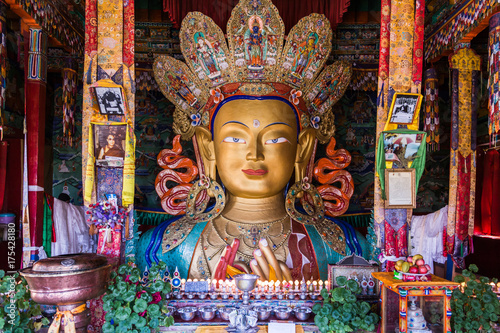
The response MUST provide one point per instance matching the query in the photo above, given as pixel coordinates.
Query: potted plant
(134, 305)
(341, 312)
(475, 307)
(18, 312)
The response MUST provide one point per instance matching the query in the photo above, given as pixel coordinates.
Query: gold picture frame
(400, 188)
(405, 107)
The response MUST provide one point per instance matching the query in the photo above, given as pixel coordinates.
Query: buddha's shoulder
(179, 230)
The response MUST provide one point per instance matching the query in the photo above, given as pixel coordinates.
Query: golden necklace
(249, 235)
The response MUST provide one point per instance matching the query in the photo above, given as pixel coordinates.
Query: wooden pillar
(35, 61)
(400, 70)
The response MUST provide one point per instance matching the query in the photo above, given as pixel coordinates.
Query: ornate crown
(254, 64)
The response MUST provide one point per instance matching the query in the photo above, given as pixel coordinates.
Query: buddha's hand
(267, 266)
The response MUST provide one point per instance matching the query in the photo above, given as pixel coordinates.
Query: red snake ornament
(178, 169)
(329, 171)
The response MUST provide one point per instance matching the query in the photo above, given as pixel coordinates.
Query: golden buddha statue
(253, 131)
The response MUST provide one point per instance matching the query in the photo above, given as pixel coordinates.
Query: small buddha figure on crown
(255, 139)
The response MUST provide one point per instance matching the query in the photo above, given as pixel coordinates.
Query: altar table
(221, 329)
(436, 287)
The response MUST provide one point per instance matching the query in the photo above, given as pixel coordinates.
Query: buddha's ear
(207, 152)
(304, 150)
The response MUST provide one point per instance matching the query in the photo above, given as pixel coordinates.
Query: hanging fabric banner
(70, 78)
(431, 111)
(466, 66)
(494, 79)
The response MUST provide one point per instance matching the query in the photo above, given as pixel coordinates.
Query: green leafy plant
(341, 312)
(132, 306)
(18, 312)
(475, 307)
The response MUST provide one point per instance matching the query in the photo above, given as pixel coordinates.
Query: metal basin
(207, 312)
(302, 312)
(282, 312)
(68, 279)
(263, 312)
(187, 313)
(225, 311)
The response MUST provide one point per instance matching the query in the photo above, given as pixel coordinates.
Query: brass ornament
(176, 233)
(256, 89)
(204, 48)
(182, 125)
(307, 48)
(315, 212)
(326, 128)
(197, 213)
(255, 33)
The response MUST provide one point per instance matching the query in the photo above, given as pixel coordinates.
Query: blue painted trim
(254, 98)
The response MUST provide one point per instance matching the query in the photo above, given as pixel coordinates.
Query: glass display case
(418, 306)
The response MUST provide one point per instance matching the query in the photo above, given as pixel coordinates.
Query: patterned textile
(69, 103)
(401, 55)
(465, 64)
(128, 32)
(396, 230)
(384, 39)
(494, 77)
(418, 43)
(431, 111)
(490, 210)
(109, 181)
(452, 32)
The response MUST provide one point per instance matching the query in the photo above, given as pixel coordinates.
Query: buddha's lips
(252, 172)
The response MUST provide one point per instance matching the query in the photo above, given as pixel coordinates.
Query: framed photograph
(404, 108)
(400, 188)
(109, 145)
(399, 145)
(110, 100)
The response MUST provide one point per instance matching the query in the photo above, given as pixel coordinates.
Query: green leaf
(341, 281)
(134, 278)
(141, 322)
(140, 305)
(123, 313)
(352, 284)
(473, 268)
(153, 309)
(493, 317)
(123, 269)
(157, 286)
(154, 323)
(2, 273)
(129, 296)
(108, 328)
(316, 308)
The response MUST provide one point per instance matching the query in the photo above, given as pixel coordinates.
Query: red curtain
(291, 11)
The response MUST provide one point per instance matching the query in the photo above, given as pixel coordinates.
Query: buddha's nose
(255, 152)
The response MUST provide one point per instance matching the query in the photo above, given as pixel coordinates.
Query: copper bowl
(68, 279)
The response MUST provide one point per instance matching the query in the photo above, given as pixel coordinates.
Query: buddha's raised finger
(261, 260)
(270, 257)
(254, 266)
(287, 274)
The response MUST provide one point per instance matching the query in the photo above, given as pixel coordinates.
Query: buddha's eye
(277, 140)
(233, 140)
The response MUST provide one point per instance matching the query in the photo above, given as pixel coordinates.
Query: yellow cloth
(68, 323)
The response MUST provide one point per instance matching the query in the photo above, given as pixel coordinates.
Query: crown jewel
(254, 62)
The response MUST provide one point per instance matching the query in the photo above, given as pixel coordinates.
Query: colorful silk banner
(465, 65)
(494, 79)
(431, 111)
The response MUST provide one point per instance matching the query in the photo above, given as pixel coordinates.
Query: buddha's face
(255, 144)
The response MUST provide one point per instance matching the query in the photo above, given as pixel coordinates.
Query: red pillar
(35, 57)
